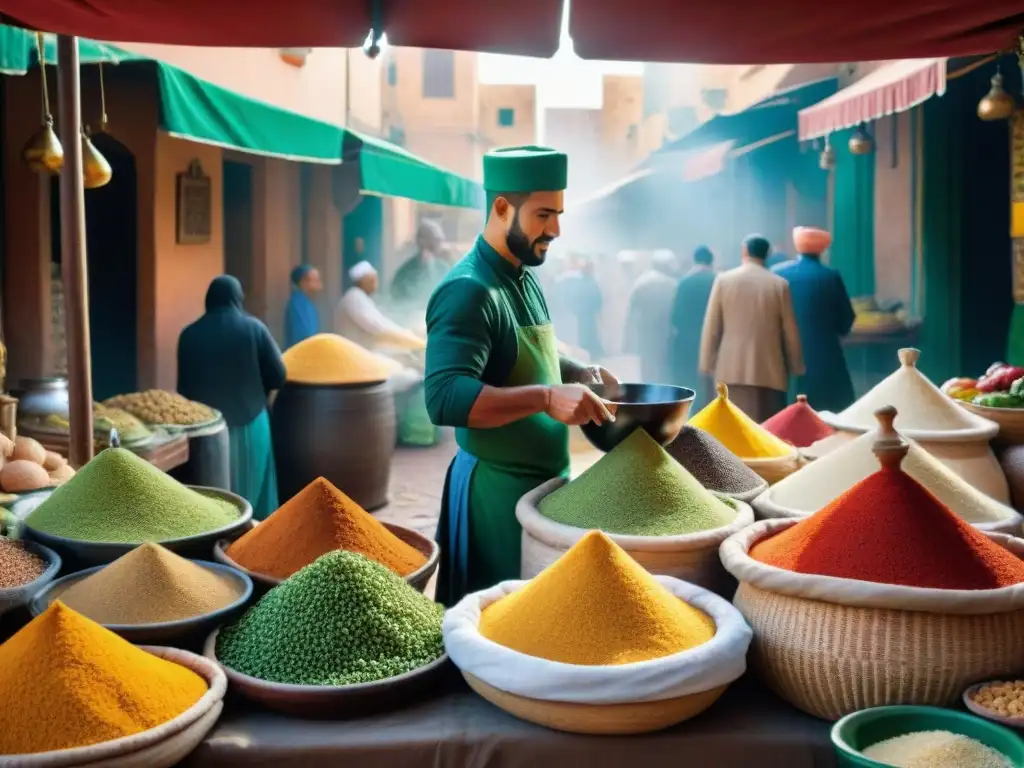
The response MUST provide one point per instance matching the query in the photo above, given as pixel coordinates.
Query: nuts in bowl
(999, 700)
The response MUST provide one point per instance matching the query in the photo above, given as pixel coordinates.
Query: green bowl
(860, 730)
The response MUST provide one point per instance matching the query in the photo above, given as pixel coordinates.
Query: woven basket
(829, 657)
(1010, 421)
(773, 470)
(690, 557)
(160, 747)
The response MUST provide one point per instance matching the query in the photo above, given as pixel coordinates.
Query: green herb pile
(339, 621)
(118, 497)
(637, 489)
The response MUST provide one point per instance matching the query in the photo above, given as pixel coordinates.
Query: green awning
(387, 169)
(197, 110)
(18, 51)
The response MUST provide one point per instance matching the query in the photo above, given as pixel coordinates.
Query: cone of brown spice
(317, 520)
(150, 585)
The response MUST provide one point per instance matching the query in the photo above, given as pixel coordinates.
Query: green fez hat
(525, 169)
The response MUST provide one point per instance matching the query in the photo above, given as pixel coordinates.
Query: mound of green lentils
(341, 620)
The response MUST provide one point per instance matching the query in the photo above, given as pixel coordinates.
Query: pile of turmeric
(328, 359)
(71, 683)
(317, 520)
(743, 436)
(595, 606)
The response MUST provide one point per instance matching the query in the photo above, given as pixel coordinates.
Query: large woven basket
(690, 557)
(833, 646)
(160, 747)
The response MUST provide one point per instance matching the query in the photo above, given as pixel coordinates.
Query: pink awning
(706, 162)
(895, 86)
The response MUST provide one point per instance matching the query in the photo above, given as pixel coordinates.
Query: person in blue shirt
(824, 316)
(688, 309)
(302, 319)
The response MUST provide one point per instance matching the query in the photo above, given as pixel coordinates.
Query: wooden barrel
(345, 434)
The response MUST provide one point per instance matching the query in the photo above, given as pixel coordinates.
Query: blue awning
(771, 117)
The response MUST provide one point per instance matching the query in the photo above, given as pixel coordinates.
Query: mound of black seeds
(712, 463)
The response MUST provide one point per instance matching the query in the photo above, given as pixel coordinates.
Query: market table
(748, 727)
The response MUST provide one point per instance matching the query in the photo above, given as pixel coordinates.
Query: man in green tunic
(494, 373)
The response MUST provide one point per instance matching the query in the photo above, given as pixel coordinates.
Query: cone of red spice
(798, 424)
(889, 529)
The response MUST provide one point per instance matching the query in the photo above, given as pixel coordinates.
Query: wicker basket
(690, 557)
(160, 747)
(773, 470)
(833, 646)
(1010, 421)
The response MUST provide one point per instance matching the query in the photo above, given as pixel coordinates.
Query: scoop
(659, 409)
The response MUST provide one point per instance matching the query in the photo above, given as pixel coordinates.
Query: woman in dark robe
(228, 360)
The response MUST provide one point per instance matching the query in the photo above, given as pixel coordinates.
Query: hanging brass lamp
(44, 152)
(861, 142)
(96, 171)
(997, 104)
(827, 158)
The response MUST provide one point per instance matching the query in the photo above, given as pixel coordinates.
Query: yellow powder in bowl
(738, 432)
(331, 359)
(595, 606)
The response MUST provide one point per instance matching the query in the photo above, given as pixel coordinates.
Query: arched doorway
(111, 225)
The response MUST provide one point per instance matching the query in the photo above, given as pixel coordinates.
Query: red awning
(526, 27)
(895, 86)
(709, 31)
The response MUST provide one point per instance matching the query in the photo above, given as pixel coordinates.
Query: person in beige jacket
(750, 339)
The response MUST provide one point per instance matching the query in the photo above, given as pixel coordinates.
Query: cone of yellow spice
(76, 684)
(743, 436)
(328, 359)
(595, 606)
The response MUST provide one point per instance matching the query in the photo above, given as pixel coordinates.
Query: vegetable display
(1002, 386)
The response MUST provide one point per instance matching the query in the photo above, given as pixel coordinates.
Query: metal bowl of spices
(25, 569)
(418, 579)
(80, 553)
(193, 628)
(321, 701)
(659, 409)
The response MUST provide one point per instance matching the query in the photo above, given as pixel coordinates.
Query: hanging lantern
(997, 104)
(96, 171)
(827, 158)
(861, 142)
(43, 152)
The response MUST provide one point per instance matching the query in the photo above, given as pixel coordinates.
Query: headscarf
(225, 292)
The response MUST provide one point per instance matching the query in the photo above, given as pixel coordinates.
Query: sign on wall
(195, 206)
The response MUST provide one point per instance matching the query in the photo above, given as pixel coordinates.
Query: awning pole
(72, 248)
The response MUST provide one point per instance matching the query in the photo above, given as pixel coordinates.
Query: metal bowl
(15, 597)
(661, 410)
(181, 630)
(78, 554)
(326, 701)
(418, 579)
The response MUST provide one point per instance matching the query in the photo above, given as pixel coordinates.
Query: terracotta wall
(622, 111)
(893, 207)
(175, 289)
(522, 99)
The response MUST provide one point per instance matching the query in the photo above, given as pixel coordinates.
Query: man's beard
(519, 244)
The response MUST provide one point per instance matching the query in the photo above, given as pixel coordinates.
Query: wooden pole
(72, 249)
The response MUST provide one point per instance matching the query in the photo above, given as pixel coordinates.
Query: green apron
(479, 535)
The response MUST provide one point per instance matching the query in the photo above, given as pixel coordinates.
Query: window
(392, 73)
(506, 117)
(438, 74)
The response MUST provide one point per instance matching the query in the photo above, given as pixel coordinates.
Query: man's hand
(597, 374)
(575, 404)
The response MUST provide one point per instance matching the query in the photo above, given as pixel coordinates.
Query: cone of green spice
(637, 489)
(118, 497)
(341, 620)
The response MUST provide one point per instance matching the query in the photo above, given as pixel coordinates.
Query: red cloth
(708, 31)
